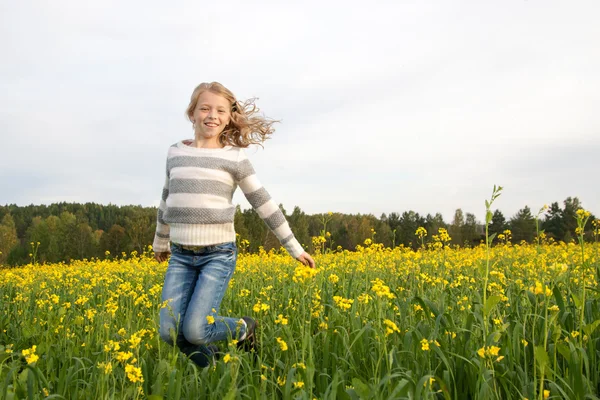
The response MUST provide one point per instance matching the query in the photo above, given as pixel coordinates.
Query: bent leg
(216, 269)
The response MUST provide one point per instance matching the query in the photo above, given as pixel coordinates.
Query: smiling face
(211, 116)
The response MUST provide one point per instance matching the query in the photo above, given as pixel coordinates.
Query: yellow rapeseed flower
(124, 356)
(344, 304)
(30, 355)
(391, 327)
(282, 344)
(134, 373)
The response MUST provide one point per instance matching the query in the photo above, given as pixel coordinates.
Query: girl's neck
(206, 143)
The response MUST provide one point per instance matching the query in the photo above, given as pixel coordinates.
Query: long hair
(246, 127)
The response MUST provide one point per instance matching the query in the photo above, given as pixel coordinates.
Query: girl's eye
(204, 109)
(221, 111)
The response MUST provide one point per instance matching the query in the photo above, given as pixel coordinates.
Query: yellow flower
(364, 298)
(298, 384)
(391, 327)
(481, 352)
(210, 319)
(546, 394)
(282, 344)
(106, 367)
(299, 365)
(30, 355)
(342, 303)
(490, 351)
(134, 341)
(424, 345)
(122, 356)
(32, 358)
(381, 289)
(281, 320)
(112, 345)
(134, 373)
(227, 358)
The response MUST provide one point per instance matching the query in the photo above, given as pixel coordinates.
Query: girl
(196, 216)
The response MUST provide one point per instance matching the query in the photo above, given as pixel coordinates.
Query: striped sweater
(196, 209)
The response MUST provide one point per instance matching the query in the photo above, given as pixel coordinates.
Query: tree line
(70, 231)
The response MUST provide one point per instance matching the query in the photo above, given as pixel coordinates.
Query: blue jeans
(195, 284)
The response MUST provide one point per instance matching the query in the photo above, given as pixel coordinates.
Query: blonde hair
(246, 127)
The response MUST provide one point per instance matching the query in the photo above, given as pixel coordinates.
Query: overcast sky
(384, 106)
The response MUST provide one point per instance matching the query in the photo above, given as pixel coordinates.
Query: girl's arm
(161, 236)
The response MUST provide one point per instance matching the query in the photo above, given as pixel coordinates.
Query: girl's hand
(306, 259)
(162, 256)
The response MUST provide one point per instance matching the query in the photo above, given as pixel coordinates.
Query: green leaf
(563, 349)
(589, 328)
(541, 357)
(363, 389)
(576, 300)
(401, 389)
(492, 237)
(231, 394)
(559, 299)
(490, 303)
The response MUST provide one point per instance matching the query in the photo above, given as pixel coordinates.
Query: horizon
(289, 210)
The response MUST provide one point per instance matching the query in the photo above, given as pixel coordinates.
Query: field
(374, 323)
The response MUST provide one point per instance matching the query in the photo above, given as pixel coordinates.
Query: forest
(70, 231)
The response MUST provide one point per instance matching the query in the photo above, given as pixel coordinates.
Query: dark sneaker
(250, 342)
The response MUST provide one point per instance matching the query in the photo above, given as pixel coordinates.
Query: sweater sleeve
(265, 206)
(161, 236)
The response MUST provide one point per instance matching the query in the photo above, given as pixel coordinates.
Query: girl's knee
(195, 333)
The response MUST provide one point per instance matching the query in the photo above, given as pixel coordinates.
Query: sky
(385, 106)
